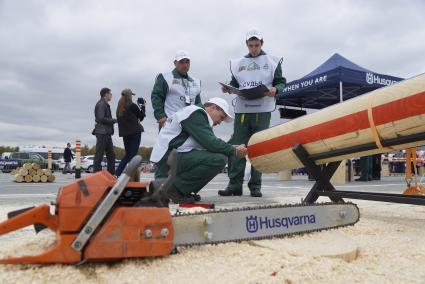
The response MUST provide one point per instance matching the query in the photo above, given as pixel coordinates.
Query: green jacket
(159, 92)
(197, 125)
(279, 82)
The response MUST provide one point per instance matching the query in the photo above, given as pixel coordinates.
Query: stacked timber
(31, 172)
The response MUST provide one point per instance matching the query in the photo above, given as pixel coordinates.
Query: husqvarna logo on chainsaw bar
(255, 223)
(252, 224)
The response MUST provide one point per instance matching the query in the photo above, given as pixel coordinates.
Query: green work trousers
(245, 125)
(194, 169)
(366, 164)
(161, 167)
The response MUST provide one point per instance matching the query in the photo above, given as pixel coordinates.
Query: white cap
(181, 54)
(254, 33)
(223, 105)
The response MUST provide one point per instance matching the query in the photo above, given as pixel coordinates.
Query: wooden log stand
(322, 174)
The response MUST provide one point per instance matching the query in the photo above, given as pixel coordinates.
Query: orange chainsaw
(101, 218)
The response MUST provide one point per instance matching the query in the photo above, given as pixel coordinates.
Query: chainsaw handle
(132, 166)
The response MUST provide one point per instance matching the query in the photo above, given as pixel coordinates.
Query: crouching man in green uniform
(201, 155)
(251, 116)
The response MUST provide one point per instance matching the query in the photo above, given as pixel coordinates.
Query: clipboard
(249, 94)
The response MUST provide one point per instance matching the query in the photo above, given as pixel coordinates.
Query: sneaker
(229, 192)
(178, 198)
(256, 193)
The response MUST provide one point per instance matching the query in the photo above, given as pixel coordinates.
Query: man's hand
(225, 89)
(162, 121)
(241, 151)
(271, 93)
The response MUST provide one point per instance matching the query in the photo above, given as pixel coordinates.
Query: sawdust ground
(391, 240)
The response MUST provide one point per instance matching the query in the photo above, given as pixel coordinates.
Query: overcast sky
(55, 56)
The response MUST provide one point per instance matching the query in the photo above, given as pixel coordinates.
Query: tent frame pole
(340, 92)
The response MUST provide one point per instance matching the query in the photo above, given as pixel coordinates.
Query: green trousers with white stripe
(245, 125)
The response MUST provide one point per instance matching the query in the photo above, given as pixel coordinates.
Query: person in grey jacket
(104, 129)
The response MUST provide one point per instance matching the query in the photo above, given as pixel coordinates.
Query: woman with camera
(129, 116)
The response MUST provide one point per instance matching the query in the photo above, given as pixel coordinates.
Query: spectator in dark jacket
(103, 130)
(67, 157)
(129, 116)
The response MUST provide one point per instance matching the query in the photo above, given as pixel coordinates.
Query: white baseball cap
(181, 54)
(223, 105)
(254, 33)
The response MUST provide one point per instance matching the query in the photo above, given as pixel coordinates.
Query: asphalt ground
(274, 190)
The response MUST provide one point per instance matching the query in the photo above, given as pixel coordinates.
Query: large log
(23, 172)
(35, 166)
(35, 178)
(28, 178)
(43, 178)
(19, 178)
(390, 112)
(51, 178)
(27, 166)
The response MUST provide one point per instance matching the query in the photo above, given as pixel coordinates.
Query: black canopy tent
(336, 80)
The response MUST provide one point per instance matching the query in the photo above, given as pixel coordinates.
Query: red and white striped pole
(49, 159)
(77, 158)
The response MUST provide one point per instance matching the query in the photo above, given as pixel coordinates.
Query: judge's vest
(181, 92)
(251, 72)
(171, 130)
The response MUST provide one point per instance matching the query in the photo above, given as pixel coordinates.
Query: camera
(141, 101)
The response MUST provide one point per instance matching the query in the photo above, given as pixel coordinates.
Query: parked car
(57, 153)
(5, 155)
(17, 159)
(61, 163)
(87, 163)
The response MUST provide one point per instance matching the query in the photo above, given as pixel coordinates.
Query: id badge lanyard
(186, 92)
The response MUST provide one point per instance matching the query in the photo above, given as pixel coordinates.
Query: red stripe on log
(385, 113)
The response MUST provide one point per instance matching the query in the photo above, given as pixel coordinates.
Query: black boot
(256, 193)
(229, 192)
(178, 198)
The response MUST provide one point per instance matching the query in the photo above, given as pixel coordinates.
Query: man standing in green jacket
(176, 89)
(201, 155)
(254, 115)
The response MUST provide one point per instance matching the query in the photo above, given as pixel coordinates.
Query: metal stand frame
(323, 174)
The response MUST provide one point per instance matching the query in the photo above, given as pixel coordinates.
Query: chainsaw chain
(247, 208)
